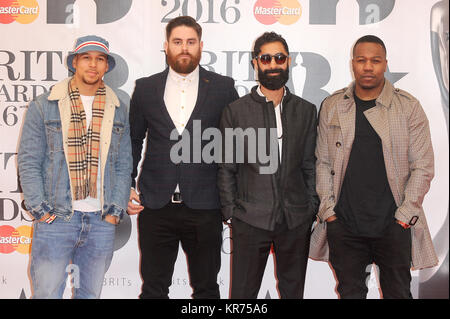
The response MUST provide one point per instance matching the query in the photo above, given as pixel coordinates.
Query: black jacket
(257, 198)
(149, 116)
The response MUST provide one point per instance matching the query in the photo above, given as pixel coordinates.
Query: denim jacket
(42, 157)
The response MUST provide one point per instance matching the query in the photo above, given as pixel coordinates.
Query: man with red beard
(177, 202)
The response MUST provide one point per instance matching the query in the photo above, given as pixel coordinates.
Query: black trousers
(352, 256)
(160, 233)
(251, 247)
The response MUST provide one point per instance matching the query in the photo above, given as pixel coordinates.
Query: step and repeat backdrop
(36, 35)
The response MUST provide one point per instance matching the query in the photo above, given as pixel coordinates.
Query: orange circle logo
(15, 239)
(22, 11)
(283, 11)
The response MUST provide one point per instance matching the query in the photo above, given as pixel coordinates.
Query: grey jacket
(254, 197)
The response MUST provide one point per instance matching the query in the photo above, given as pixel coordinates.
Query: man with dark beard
(178, 202)
(270, 209)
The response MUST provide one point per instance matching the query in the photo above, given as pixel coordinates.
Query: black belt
(176, 198)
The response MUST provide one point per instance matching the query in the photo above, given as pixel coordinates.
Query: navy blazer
(149, 116)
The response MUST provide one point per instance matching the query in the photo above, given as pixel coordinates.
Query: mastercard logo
(15, 239)
(283, 11)
(22, 11)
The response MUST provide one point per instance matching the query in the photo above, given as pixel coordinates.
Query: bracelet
(50, 219)
(405, 226)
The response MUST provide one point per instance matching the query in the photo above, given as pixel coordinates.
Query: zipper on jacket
(267, 126)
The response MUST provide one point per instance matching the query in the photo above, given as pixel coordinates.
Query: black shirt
(366, 204)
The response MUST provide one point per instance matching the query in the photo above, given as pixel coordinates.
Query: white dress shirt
(180, 96)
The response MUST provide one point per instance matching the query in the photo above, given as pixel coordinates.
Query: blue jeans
(82, 247)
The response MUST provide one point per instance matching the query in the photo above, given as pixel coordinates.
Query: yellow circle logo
(25, 234)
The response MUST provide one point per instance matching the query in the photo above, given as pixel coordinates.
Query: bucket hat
(91, 43)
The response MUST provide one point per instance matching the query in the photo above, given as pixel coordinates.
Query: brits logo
(22, 11)
(283, 11)
(15, 239)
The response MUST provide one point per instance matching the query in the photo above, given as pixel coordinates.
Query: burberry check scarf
(84, 146)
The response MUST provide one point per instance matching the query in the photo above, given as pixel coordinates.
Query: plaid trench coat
(402, 125)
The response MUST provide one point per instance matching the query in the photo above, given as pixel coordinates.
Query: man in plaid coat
(374, 166)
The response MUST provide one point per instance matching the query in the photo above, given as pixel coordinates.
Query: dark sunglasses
(280, 58)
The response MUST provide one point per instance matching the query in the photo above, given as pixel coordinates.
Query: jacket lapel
(160, 88)
(378, 117)
(107, 125)
(346, 114)
(112, 102)
(203, 85)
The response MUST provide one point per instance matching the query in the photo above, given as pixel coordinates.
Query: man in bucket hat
(74, 166)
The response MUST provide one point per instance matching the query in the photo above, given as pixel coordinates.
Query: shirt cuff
(39, 211)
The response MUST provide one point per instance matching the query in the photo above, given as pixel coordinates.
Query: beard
(273, 82)
(183, 65)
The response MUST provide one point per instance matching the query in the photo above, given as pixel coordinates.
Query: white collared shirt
(180, 96)
(278, 119)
